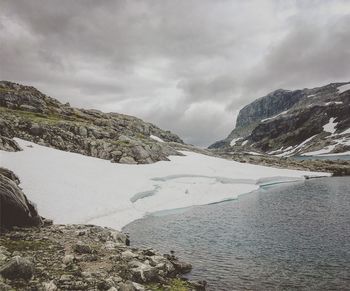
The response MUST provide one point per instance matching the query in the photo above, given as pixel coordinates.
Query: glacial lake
(294, 236)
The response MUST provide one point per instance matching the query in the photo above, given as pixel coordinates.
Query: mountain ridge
(29, 114)
(285, 119)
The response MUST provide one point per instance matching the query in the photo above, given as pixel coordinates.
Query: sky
(187, 66)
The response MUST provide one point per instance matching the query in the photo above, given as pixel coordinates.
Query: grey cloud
(187, 66)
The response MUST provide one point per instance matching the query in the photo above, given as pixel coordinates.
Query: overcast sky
(187, 66)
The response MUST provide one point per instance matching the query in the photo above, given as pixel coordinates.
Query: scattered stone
(181, 267)
(128, 255)
(82, 248)
(127, 286)
(68, 259)
(50, 286)
(17, 268)
(127, 160)
(5, 287)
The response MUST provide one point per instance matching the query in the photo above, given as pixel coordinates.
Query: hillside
(285, 123)
(31, 115)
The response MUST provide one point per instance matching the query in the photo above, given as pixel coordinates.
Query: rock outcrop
(289, 123)
(31, 115)
(15, 208)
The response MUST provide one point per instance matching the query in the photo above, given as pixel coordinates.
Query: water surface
(332, 158)
(295, 236)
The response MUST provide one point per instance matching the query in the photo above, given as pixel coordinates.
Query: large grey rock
(17, 268)
(82, 248)
(9, 145)
(127, 286)
(36, 129)
(15, 208)
(127, 160)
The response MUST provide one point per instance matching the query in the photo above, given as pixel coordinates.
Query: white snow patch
(343, 88)
(292, 149)
(244, 143)
(346, 131)
(311, 95)
(273, 117)
(334, 102)
(330, 126)
(323, 151)
(254, 153)
(305, 142)
(72, 188)
(233, 141)
(156, 138)
(275, 151)
(288, 151)
(328, 149)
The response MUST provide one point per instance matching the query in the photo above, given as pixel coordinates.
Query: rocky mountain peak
(297, 120)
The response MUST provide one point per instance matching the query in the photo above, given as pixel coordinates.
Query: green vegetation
(6, 90)
(121, 143)
(43, 118)
(24, 245)
(32, 116)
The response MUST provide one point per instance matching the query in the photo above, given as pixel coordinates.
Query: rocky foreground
(85, 257)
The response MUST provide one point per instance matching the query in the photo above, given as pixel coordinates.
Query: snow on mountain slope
(281, 121)
(72, 188)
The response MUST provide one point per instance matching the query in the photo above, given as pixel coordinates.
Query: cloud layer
(187, 66)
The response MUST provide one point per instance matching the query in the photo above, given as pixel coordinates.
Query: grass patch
(43, 118)
(6, 90)
(24, 245)
(122, 143)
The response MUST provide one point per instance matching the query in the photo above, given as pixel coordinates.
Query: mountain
(28, 114)
(286, 123)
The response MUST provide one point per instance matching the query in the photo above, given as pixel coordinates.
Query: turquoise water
(294, 236)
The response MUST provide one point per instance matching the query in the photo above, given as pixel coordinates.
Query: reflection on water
(294, 236)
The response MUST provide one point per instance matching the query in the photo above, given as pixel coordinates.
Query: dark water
(287, 237)
(332, 158)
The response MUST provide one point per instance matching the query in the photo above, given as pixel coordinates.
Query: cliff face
(31, 115)
(294, 122)
(270, 105)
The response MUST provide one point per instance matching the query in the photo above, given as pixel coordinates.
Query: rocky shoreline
(336, 167)
(85, 257)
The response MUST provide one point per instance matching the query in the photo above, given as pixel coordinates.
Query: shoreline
(85, 257)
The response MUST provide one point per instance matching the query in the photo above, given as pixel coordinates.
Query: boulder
(36, 129)
(50, 286)
(82, 248)
(127, 160)
(17, 268)
(127, 286)
(15, 208)
(9, 145)
(181, 267)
